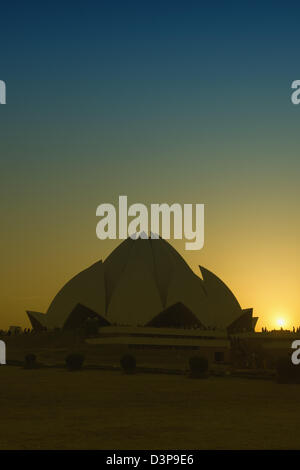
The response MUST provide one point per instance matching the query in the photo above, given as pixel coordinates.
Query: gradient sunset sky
(183, 102)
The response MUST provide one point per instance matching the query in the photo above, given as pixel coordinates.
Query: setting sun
(280, 322)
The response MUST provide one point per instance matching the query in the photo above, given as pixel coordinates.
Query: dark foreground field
(56, 409)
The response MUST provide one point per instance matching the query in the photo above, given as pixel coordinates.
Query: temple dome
(137, 281)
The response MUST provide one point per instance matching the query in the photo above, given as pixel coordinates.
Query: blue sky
(162, 101)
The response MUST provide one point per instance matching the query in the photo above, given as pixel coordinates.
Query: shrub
(128, 364)
(30, 361)
(74, 361)
(286, 371)
(198, 367)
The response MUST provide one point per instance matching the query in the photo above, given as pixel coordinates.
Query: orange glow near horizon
(252, 275)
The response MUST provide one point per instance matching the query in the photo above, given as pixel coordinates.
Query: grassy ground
(56, 409)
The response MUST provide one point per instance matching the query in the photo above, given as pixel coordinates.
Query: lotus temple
(145, 283)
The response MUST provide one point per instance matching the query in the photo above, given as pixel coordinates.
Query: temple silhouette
(145, 282)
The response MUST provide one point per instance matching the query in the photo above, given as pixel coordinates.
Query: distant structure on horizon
(145, 282)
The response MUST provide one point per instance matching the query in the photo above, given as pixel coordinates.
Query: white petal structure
(86, 288)
(138, 280)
